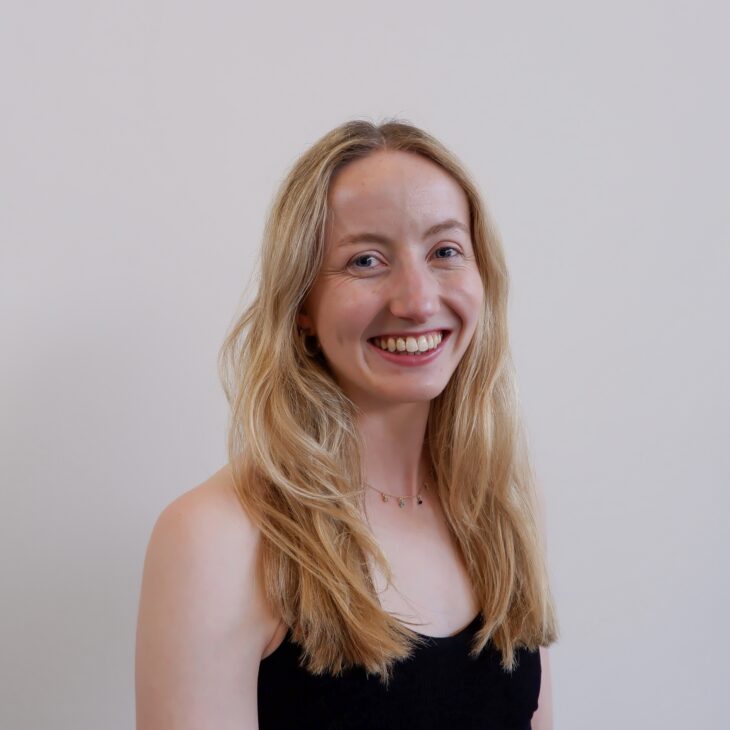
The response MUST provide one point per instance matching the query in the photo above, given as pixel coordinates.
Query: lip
(403, 335)
(411, 360)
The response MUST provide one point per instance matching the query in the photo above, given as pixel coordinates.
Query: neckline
(472, 624)
(287, 638)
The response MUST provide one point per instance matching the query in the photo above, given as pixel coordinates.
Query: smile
(410, 350)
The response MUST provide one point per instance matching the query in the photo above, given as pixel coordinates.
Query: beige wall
(140, 144)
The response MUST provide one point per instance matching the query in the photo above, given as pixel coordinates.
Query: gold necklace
(401, 500)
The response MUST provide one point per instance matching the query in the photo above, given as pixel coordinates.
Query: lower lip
(412, 360)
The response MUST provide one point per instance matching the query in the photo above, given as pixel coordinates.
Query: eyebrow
(365, 237)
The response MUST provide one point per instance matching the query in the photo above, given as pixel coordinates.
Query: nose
(414, 293)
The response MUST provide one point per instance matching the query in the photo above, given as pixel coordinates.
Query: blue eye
(448, 248)
(361, 258)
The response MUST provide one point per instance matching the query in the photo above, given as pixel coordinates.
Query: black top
(440, 686)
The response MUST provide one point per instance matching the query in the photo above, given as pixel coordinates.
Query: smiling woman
(378, 478)
(399, 213)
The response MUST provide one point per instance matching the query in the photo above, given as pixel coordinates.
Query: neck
(395, 460)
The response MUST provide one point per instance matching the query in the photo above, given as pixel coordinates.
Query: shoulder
(203, 622)
(207, 519)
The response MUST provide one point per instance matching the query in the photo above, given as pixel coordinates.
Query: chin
(409, 395)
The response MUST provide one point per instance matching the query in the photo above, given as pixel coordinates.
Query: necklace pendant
(385, 497)
(419, 499)
(401, 502)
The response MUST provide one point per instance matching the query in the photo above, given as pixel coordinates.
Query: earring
(305, 337)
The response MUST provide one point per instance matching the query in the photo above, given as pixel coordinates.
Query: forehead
(393, 191)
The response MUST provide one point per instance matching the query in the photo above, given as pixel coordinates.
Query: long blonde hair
(295, 450)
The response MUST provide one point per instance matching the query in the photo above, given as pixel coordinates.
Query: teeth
(409, 344)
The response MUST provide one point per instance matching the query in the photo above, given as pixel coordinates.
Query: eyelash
(372, 256)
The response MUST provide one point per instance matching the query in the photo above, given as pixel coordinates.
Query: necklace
(401, 500)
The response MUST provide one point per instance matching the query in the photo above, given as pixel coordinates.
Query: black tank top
(439, 687)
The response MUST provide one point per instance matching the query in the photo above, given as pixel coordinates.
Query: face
(399, 273)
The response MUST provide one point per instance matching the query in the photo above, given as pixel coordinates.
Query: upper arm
(543, 717)
(201, 624)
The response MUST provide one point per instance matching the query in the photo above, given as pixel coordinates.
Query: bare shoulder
(210, 510)
(203, 623)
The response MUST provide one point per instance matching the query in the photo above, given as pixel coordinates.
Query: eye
(362, 257)
(455, 253)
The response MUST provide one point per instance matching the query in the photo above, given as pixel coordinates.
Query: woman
(371, 556)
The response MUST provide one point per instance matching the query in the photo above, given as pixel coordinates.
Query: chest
(430, 588)
(429, 585)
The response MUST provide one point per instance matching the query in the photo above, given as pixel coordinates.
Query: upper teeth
(409, 344)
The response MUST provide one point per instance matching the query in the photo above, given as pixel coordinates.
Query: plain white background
(140, 145)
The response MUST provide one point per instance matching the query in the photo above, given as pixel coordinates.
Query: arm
(543, 717)
(200, 631)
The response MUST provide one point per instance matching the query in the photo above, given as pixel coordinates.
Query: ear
(304, 321)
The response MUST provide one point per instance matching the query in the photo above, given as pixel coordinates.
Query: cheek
(478, 293)
(345, 314)
(471, 296)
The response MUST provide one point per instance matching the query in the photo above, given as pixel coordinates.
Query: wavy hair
(295, 450)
